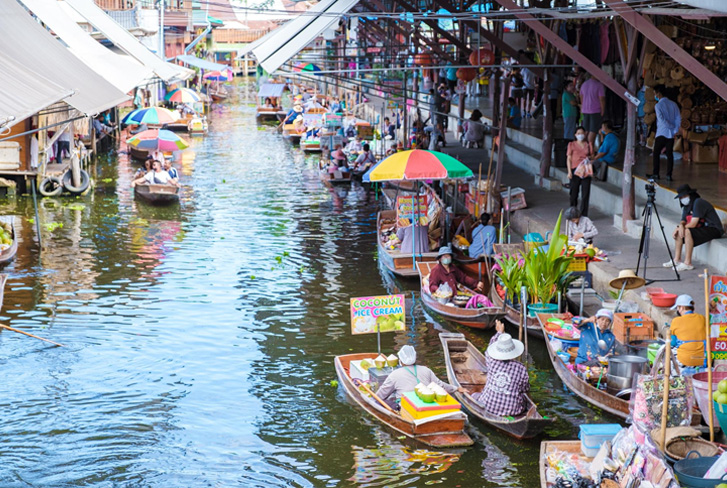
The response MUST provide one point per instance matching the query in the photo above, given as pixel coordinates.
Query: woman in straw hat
(507, 379)
(597, 340)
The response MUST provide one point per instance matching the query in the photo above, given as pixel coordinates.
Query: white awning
(201, 63)
(125, 74)
(271, 90)
(128, 43)
(24, 92)
(293, 36)
(30, 44)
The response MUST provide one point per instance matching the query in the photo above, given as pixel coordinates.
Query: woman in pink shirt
(579, 150)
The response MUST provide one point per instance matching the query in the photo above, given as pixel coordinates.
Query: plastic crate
(582, 275)
(632, 326)
(593, 435)
(579, 263)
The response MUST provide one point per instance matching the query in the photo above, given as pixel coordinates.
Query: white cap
(407, 355)
(604, 312)
(683, 301)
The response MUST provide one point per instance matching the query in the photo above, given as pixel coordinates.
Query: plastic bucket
(542, 308)
(720, 411)
(652, 351)
(700, 386)
(690, 472)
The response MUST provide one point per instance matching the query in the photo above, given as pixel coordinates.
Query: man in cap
(688, 333)
(596, 340)
(446, 272)
(294, 112)
(578, 226)
(699, 224)
(507, 378)
(407, 377)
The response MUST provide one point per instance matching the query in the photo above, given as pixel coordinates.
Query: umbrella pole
(414, 211)
(708, 352)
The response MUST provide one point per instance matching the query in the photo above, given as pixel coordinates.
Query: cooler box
(357, 372)
(593, 435)
(417, 409)
(379, 375)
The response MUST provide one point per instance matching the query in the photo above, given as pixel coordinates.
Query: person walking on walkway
(578, 152)
(668, 121)
(593, 106)
(570, 111)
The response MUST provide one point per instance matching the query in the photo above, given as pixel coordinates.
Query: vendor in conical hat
(507, 378)
(407, 377)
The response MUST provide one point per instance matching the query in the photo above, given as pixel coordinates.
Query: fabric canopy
(124, 74)
(292, 37)
(128, 43)
(201, 63)
(24, 92)
(29, 44)
(271, 90)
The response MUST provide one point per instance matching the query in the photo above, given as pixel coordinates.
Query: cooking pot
(618, 383)
(641, 347)
(627, 366)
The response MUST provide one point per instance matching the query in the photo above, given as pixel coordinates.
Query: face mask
(446, 261)
(684, 201)
(656, 98)
(580, 137)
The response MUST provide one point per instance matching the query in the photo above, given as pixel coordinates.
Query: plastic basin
(700, 386)
(690, 472)
(663, 299)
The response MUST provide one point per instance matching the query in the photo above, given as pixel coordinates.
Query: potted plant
(510, 273)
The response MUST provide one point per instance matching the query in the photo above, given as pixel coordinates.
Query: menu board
(718, 316)
(405, 208)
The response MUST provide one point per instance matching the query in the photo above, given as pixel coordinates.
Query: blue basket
(690, 471)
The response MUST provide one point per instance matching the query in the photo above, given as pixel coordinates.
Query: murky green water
(200, 338)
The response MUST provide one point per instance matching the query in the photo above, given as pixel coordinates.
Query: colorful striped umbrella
(306, 67)
(224, 75)
(158, 140)
(150, 115)
(417, 164)
(183, 95)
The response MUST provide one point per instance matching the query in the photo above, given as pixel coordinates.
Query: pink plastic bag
(479, 301)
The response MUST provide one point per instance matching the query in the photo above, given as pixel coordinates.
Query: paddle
(383, 403)
(29, 335)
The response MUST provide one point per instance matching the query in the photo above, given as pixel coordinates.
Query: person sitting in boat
(484, 236)
(507, 379)
(579, 227)
(338, 155)
(407, 377)
(312, 133)
(298, 125)
(157, 176)
(354, 146)
(269, 103)
(173, 173)
(365, 160)
(596, 340)
(187, 109)
(294, 113)
(446, 272)
(688, 333)
(312, 103)
(142, 171)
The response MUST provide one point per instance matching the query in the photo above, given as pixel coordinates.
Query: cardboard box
(357, 372)
(632, 326)
(703, 154)
(417, 409)
(518, 199)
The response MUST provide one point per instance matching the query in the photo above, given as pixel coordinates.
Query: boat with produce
(466, 368)
(478, 318)
(157, 194)
(310, 145)
(399, 263)
(441, 431)
(8, 242)
(198, 126)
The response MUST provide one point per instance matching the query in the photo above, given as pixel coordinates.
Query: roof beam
(434, 25)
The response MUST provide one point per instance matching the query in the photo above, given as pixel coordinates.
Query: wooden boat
(336, 178)
(440, 431)
(478, 318)
(512, 315)
(218, 95)
(291, 134)
(157, 194)
(548, 447)
(6, 255)
(399, 263)
(198, 126)
(180, 125)
(310, 146)
(138, 154)
(466, 367)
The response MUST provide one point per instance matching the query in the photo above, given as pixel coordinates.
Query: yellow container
(417, 409)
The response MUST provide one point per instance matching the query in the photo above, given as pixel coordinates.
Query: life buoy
(68, 182)
(51, 186)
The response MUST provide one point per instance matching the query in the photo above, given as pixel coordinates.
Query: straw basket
(678, 448)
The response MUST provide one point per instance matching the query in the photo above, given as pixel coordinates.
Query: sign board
(390, 104)
(370, 315)
(333, 120)
(365, 132)
(718, 316)
(405, 208)
(313, 120)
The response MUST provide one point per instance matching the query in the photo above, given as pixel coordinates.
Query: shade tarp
(201, 63)
(24, 92)
(124, 74)
(128, 43)
(293, 36)
(271, 90)
(30, 44)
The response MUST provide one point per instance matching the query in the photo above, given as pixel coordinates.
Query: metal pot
(641, 348)
(627, 366)
(618, 383)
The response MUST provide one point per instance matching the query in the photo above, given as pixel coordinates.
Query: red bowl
(663, 299)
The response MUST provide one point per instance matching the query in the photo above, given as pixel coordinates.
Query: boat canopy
(201, 63)
(271, 90)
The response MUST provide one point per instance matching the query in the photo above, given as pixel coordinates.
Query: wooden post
(405, 122)
(628, 211)
(547, 147)
(708, 352)
(665, 398)
(503, 135)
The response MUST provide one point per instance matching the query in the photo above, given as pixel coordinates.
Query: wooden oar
(30, 335)
(383, 403)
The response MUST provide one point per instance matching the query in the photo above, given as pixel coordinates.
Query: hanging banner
(718, 316)
(370, 315)
(405, 208)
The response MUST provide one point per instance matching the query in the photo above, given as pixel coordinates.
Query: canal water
(199, 339)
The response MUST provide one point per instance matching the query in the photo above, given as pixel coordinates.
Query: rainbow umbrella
(303, 67)
(417, 164)
(150, 115)
(158, 140)
(224, 75)
(183, 95)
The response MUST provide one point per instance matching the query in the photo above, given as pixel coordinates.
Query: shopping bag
(584, 169)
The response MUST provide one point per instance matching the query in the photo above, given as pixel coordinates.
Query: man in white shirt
(668, 122)
(157, 176)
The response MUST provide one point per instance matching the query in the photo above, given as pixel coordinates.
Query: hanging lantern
(483, 57)
(466, 74)
(423, 59)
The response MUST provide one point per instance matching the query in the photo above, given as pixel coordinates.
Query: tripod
(649, 211)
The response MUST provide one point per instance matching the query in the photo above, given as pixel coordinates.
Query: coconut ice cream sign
(370, 315)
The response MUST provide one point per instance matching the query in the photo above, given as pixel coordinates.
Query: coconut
(366, 364)
(392, 360)
(424, 393)
(440, 395)
(380, 361)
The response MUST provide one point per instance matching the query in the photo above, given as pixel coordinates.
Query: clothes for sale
(507, 383)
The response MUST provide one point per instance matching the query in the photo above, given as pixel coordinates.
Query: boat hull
(513, 316)
(157, 194)
(401, 264)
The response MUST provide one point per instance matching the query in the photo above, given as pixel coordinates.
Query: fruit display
(591, 251)
(380, 361)
(720, 396)
(562, 329)
(440, 395)
(424, 393)
(6, 235)
(392, 360)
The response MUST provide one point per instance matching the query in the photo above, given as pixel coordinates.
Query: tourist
(269, 103)
(474, 130)
(700, 224)
(516, 87)
(142, 171)
(173, 173)
(446, 272)
(389, 129)
(556, 85)
(338, 155)
(642, 129)
(593, 331)
(607, 151)
(569, 109)
(529, 82)
(688, 334)
(484, 236)
(668, 123)
(63, 144)
(579, 152)
(365, 160)
(446, 107)
(514, 118)
(335, 105)
(507, 379)
(579, 227)
(294, 112)
(99, 127)
(593, 106)
(407, 377)
(157, 176)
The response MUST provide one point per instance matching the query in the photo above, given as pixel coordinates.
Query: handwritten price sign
(718, 316)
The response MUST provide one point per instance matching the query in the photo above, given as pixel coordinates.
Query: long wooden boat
(291, 134)
(157, 194)
(337, 178)
(310, 146)
(399, 263)
(478, 318)
(180, 125)
(513, 315)
(265, 113)
(548, 447)
(138, 154)
(466, 368)
(6, 255)
(218, 95)
(440, 431)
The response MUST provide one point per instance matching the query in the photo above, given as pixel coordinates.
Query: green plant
(511, 274)
(546, 272)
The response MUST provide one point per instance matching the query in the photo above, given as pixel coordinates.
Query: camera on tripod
(650, 190)
(649, 210)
